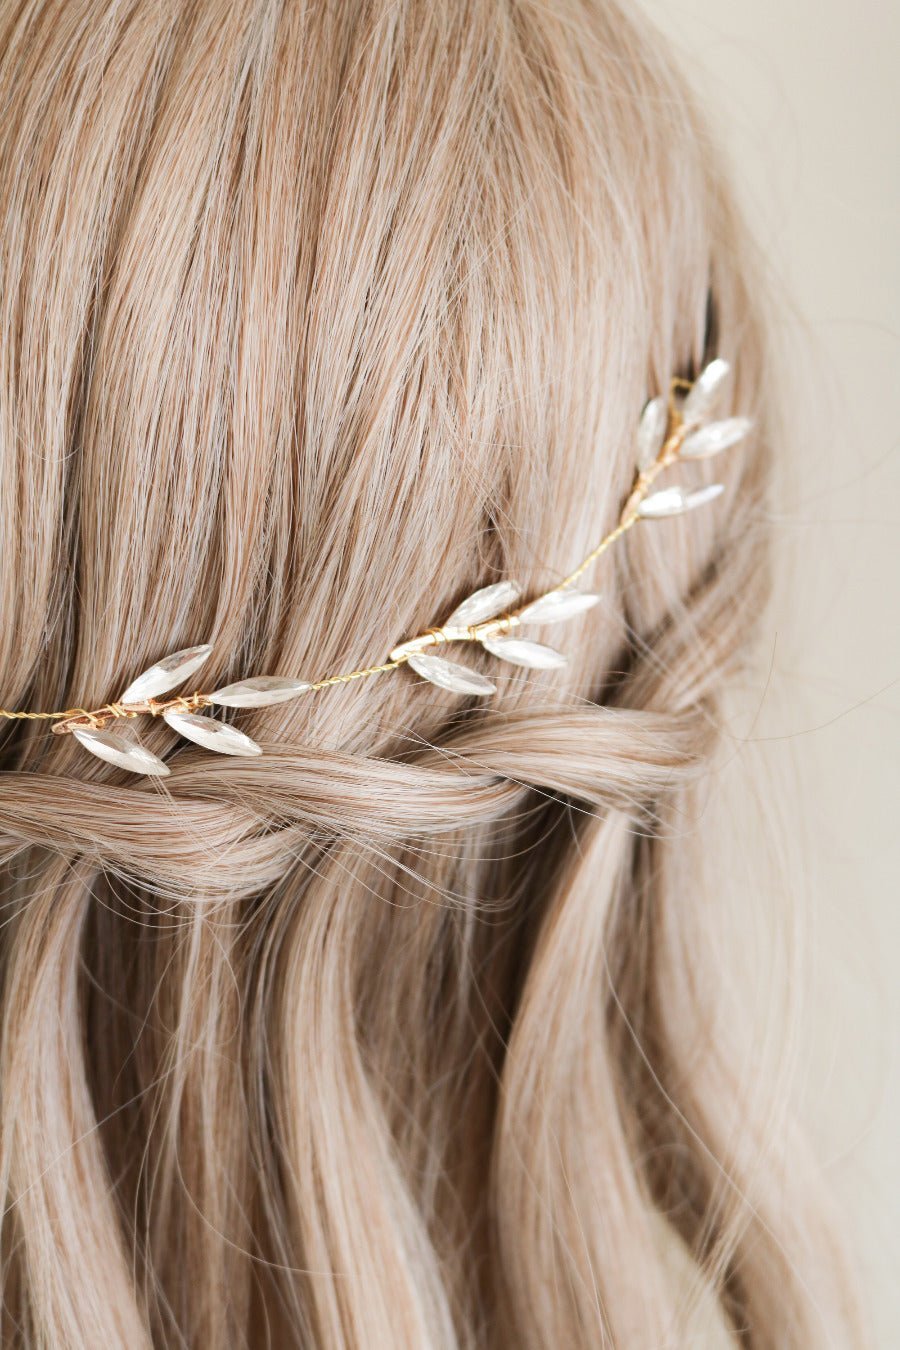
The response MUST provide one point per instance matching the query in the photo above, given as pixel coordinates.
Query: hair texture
(314, 317)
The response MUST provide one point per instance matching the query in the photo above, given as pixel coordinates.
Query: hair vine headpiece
(671, 429)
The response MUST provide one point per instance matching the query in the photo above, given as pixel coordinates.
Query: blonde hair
(314, 318)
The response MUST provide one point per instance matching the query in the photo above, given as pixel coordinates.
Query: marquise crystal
(522, 653)
(165, 674)
(449, 675)
(121, 749)
(484, 604)
(652, 432)
(209, 733)
(715, 436)
(702, 395)
(675, 501)
(260, 691)
(557, 605)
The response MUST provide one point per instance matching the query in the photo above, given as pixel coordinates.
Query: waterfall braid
(314, 318)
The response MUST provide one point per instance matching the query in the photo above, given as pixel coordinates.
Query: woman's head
(313, 318)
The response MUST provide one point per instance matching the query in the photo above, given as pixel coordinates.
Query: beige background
(804, 95)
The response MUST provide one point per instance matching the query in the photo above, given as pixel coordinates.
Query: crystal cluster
(124, 749)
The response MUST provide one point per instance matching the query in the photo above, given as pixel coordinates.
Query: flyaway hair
(410, 1031)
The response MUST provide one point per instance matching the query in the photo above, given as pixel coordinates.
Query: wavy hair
(314, 317)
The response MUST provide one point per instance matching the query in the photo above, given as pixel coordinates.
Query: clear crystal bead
(165, 674)
(701, 496)
(674, 501)
(703, 392)
(458, 679)
(209, 733)
(716, 436)
(557, 605)
(483, 605)
(652, 432)
(120, 749)
(668, 501)
(260, 691)
(521, 653)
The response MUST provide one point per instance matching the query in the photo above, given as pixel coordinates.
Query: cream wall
(804, 94)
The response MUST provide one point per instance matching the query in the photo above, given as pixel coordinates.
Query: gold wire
(357, 674)
(628, 518)
(42, 717)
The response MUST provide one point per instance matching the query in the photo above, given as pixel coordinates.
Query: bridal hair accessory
(671, 429)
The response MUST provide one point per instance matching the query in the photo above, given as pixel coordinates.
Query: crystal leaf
(709, 440)
(700, 496)
(260, 691)
(703, 392)
(674, 501)
(121, 750)
(447, 674)
(209, 733)
(484, 604)
(652, 432)
(531, 654)
(557, 605)
(166, 674)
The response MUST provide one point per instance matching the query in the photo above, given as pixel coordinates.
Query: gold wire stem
(357, 674)
(630, 514)
(17, 716)
(99, 718)
(71, 719)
